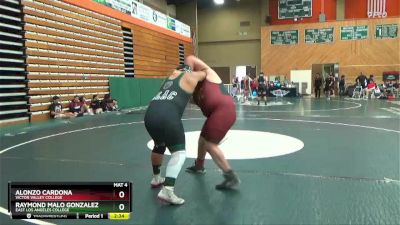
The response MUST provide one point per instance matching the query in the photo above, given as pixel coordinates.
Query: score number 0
(121, 194)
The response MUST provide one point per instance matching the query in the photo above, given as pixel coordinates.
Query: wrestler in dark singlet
(164, 125)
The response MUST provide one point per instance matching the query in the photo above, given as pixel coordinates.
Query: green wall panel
(132, 92)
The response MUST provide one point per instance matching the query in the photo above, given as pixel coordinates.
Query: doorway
(223, 73)
(325, 70)
(242, 71)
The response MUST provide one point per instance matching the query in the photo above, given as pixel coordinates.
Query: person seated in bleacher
(396, 89)
(362, 79)
(95, 104)
(380, 91)
(75, 106)
(370, 88)
(109, 104)
(388, 88)
(358, 90)
(85, 106)
(377, 93)
(56, 110)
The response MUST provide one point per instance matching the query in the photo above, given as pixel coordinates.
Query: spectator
(358, 90)
(242, 85)
(342, 85)
(285, 82)
(370, 79)
(332, 84)
(370, 88)
(317, 85)
(389, 88)
(377, 92)
(85, 107)
(235, 82)
(262, 88)
(56, 110)
(109, 104)
(254, 85)
(235, 87)
(246, 90)
(362, 79)
(95, 104)
(278, 84)
(390, 84)
(328, 85)
(75, 106)
(396, 85)
(271, 85)
(291, 84)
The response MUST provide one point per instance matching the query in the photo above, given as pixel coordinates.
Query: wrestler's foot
(167, 195)
(196, 169)
(231, 180)
(157, 181)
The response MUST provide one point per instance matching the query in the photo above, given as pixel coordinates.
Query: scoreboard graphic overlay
(74, 200)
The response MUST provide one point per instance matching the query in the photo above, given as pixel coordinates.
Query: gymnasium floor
(341, 164)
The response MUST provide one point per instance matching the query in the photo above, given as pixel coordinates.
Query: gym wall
(370, 56)
(75, 47)
(223, 42)
(13, 96)
(187, 13)
(70, 51)
(162, 6)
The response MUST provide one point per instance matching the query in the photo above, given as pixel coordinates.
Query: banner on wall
(181, 27)
(178, 26)
(146, 13)
(186, 30)
(120, 5)
(376, 8)
(171, 23)
(386, 31)
(159, 19)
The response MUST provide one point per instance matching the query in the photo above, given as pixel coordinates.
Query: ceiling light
(219, 2)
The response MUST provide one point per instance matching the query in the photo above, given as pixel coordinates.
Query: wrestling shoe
(157, 181)
(195, 169)
(231, 180)
(167, 195)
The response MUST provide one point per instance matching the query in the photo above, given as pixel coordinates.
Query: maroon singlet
(218, 106)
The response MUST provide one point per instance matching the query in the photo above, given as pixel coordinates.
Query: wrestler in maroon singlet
(218, 106)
